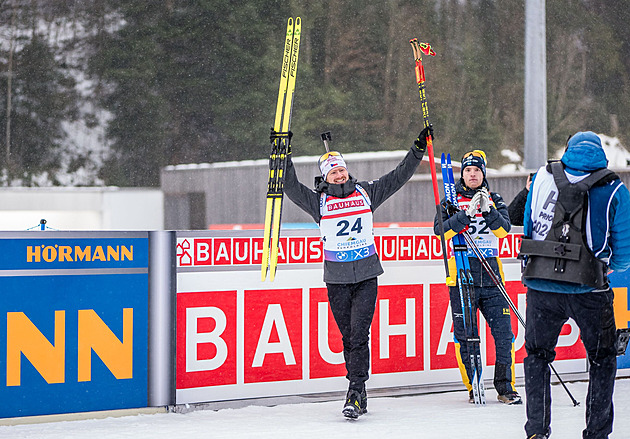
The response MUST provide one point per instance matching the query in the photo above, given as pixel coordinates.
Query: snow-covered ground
(439, 415)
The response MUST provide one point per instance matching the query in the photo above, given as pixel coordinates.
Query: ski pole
(418, 50)
(484, 262)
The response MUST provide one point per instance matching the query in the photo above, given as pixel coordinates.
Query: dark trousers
(594, 315)
(496, 311)
(353, 306)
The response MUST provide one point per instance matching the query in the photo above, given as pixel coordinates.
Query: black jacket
(378, 190)
(516, 208)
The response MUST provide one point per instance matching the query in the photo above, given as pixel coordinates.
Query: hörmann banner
(73, 321)
(238, 337)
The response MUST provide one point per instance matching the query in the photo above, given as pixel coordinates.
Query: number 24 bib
(346, 226)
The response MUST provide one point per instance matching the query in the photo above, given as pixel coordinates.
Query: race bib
(346, 226)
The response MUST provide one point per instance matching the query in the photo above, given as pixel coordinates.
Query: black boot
(364, 401)
(540, 435)
(356, 404)
(503, 385)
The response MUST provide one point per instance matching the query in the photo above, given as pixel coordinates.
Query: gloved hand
(421, 142)
(473, 207)
(484, 200)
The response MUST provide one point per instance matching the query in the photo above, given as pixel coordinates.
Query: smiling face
(338, 175)
(473, 177)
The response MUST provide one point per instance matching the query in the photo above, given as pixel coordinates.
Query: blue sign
(73, 340)
(72, 253)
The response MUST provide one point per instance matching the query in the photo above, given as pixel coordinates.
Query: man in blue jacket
(576, 231)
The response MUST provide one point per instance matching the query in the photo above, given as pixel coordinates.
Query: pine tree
(43, 98)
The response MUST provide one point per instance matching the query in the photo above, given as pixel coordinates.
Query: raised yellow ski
(281, 147)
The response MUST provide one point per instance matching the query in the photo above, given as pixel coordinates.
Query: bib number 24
(344, 224)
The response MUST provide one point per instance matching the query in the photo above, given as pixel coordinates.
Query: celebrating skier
(343, 208)
(484, 215)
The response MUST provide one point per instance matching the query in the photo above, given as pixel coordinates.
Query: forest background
(157, 83)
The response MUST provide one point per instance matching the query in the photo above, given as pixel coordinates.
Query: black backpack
(564, 254)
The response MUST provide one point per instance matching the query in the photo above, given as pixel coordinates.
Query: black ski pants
(353, 306)
(594, 315)
(496, 311)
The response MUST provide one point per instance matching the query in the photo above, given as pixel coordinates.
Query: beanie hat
(329, 161)
(474, 158)
(586, 137)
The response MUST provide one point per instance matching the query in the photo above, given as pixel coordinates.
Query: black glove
(421, 142)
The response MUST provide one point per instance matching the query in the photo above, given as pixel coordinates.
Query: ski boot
(356, 404)
(540, 435)
(510, 398)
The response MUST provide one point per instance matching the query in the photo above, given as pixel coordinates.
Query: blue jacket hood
(584, 152)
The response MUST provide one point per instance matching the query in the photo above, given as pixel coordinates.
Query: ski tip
(450, 282)
(273, 270)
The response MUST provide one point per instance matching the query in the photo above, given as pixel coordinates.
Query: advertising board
(238, 337)
(73, 322)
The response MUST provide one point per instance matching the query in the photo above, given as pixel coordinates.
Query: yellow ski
(280, 141)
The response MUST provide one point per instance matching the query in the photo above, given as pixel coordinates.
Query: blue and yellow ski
(466, 288)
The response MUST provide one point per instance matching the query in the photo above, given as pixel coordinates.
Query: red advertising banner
(325, 347)
(397, 343)
(221, 251)
(273, 335)
(240, 337)
(206, 339)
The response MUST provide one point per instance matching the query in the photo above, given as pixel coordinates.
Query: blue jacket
(608, 228)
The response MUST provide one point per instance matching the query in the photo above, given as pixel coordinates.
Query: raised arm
(383, 188)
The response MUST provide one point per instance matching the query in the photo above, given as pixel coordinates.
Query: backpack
(564, 254)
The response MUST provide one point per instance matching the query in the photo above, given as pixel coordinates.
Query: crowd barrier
(114, 320)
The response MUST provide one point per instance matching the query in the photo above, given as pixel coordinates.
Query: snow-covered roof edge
(370, 155)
